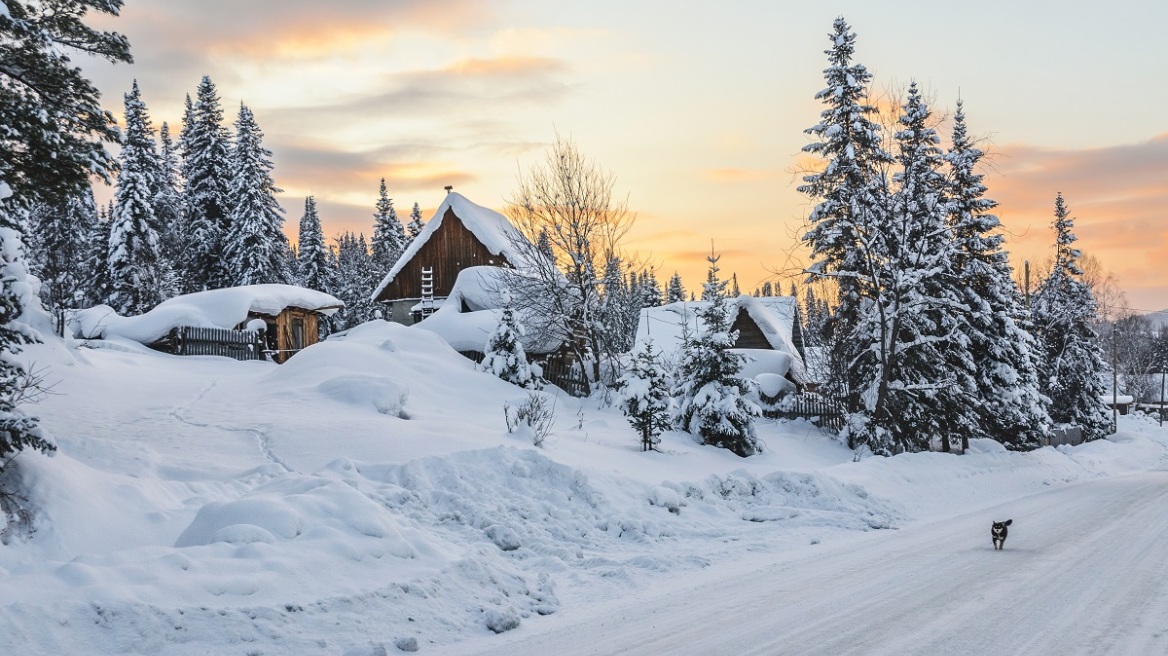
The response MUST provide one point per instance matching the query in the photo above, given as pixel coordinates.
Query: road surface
(1084, 571)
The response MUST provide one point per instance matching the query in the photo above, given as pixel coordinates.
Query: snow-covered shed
(471, 313)
(769, 332)
(288, 316)
(460, 235)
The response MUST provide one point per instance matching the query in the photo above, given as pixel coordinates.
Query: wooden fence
(1071, 435)
(563, 372)
(819, 410)
(237, 344)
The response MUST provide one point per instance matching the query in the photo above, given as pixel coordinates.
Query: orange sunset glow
(697, 109)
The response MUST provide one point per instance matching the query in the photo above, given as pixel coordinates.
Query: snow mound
(383, 393)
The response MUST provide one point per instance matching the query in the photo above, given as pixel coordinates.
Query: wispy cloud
(1117, 196)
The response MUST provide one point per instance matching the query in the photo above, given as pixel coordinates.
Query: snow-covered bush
(533, 417)
(644, 396)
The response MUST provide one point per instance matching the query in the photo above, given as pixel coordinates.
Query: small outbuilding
(251, 322)
(459, 236)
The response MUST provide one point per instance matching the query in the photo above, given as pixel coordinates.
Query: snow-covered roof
(488, 226)
(480, 289)
(216, 308)
(774, 315)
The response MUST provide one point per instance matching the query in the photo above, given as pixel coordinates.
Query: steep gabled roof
(774, 316)
(492, 229)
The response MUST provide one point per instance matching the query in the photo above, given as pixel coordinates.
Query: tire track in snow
(263, 441)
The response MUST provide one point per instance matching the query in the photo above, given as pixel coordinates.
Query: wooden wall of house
(450, 249)
(750, 336)
(286, 338)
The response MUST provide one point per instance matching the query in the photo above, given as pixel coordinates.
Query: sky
(697, 110)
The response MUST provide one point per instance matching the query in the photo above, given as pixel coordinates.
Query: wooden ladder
(427, 291)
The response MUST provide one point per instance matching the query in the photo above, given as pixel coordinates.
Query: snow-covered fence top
(217, 308)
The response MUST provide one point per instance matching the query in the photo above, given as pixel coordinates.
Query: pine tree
(503, 355)
(735, 292)
(414, 227)
(711, 396)
(918, 371)
(389, 238)
(650, 289)
(675, 292)
(54, 130)
(138, 273)
(100, 285)
(355, 279)
(312, 257)
(1070, 371)
(644, 396)
(168, 211)
(62, 238)
(1012, 409)
(255, 247)
(206, 155)
(851, 192)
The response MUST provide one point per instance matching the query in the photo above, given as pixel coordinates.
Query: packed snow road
(1084, 571)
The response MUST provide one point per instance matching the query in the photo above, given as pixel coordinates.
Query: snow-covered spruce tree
(62, 237)
(414, 227)
(650, 291)
(205, 145)
(1071, 369)
(1012, 409)
(18, 431)
(355, 278)
(916, 369)
(168, 210)
(138, 272)
(503, 355)
(255, 246)
(98, 284)
(644, 396)
(314, 270)
(53, 130)
(710, 394)
(389, 237)
(675, 291)
(851, 193)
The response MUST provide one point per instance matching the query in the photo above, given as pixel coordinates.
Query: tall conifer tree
(414, 227)
(851, 193)
(206, 156)
(138, 273)
(315, 271)
(389, 237)
(1072, 366)
(1012, 409)
(255, 250)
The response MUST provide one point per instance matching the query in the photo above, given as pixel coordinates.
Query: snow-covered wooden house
(459, 236)
(769, 334)
(249, 322)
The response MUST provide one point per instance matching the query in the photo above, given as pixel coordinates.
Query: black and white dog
(998, 532)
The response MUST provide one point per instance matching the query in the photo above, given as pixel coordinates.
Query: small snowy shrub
(533, 417)
(644, 397)
(500, 621)
(504, 355)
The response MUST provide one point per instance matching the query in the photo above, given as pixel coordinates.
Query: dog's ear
(1008, 522)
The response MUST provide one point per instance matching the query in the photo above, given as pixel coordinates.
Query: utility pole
(1114, 381)
(1026, 268)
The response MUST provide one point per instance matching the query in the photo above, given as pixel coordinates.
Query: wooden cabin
(769, 332)
(252, 322)
(460, 235)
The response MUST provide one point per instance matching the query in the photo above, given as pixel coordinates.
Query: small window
(297, 334)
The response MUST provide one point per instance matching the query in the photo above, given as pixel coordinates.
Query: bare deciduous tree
(571, 227)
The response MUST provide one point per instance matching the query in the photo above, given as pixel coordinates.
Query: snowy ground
(365, 497)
